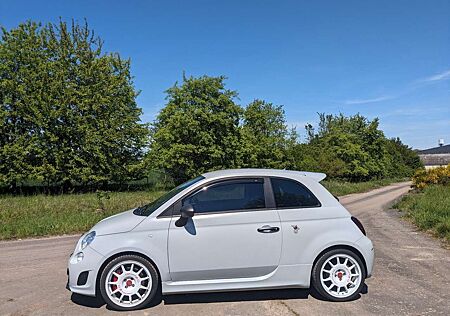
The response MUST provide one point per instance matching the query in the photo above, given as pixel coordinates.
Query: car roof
(317, 176)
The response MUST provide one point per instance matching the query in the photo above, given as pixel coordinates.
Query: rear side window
(229, 195)
(289, 193)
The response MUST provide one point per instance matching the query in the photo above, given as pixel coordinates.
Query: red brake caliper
(114, 279)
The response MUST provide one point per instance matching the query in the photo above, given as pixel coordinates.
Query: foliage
(201, 129)
(101, 197)
(402, 160)
(354, 142)
(355, 149)
(197, 130)
(265, 138)
(45, 215)
(429, 209)
(440, 175)
(67, 111)
(340, 188)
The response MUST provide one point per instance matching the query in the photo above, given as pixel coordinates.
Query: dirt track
(412, 276)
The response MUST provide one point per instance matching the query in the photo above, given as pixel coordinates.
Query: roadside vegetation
(428, 206)
(45, 215)
(340, 188)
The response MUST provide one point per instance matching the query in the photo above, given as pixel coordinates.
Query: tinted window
(228, 196)
(153, 206)
(289, 193)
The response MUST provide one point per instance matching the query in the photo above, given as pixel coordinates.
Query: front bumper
(365, 246)
(91, 264)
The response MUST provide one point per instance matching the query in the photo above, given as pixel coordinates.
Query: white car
(226, 230)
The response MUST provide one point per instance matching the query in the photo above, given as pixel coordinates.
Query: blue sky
(386, 59)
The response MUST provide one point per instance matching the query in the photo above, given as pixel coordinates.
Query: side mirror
(187, 211)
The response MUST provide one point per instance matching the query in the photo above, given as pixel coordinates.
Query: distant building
(435, 157)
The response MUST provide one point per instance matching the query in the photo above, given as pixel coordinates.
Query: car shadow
(236, 296)
(88, 301)
(216, 297)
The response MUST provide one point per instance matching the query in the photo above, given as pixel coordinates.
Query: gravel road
(411, 277)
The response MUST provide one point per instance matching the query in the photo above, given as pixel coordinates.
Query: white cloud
(438, 77)
(365, 101)
(413, 86)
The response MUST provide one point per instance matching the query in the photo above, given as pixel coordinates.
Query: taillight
(360, 226)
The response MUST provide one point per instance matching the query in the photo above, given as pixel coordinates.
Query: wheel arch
(116, 255)
(343, 246)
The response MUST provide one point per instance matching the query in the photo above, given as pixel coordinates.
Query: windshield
(153, 206)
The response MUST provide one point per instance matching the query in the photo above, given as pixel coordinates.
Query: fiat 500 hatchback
(226, 230)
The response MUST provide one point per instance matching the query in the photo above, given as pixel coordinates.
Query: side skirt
(286, 276)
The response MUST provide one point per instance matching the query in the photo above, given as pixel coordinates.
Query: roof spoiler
(318, 176)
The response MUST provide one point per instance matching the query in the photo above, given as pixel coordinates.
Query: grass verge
(340, 188)
(45, 215)
(429, 209)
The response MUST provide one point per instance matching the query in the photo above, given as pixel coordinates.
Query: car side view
(227, 230)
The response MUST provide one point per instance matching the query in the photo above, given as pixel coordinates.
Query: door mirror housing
(187, 211)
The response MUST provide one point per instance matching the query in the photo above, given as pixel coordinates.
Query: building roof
(264, 172)
(436, 150)
(435, 159)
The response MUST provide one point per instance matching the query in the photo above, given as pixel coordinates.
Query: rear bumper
(91, 264)
(365, 246)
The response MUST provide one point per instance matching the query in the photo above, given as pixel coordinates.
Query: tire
(132, 283)
(345, 278)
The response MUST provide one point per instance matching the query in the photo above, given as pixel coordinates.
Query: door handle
(268, 229)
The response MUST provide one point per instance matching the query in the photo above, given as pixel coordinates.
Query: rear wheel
(338, 275)
(129, 282)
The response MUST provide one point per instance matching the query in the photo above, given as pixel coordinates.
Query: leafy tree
(67, 111)
(317, 158)
(403, 161)
(354, 143)
(266, 139)
(353, 148)
(198, 129)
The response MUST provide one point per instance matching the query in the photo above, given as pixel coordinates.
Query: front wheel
(338, 275)
(129, 282)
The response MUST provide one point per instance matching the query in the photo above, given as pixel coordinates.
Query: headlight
(87, 239)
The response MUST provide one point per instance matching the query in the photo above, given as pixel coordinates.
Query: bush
(423, 178)
(429, 208)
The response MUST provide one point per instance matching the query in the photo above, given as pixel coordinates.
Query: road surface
(411, 276)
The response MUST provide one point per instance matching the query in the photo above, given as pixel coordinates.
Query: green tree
(266, 139)
(67, 111)
(353, 143)
(403, 161)
(318, 158)
(197, 130)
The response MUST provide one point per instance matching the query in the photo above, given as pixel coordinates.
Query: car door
(302, 216)
(235, 233)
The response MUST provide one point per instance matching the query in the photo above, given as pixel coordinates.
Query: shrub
(440, 175)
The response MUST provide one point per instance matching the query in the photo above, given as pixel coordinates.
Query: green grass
(340, 188)
(429, 209)
(44, 215)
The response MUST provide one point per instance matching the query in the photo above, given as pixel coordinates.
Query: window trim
(175, 207)
(293, 207)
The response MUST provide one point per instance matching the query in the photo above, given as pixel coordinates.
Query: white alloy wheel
(341, 275)
(128, 283)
